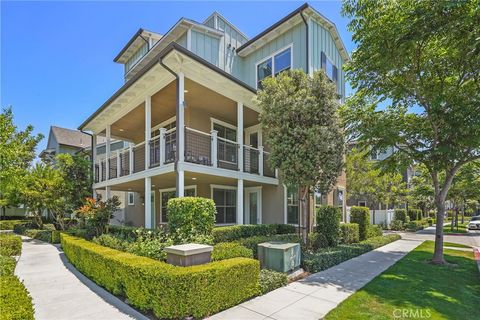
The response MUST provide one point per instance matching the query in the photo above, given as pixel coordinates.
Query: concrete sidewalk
(60, 292)
(313, 297)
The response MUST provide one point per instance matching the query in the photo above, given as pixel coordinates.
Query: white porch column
(107, 193)
(119, 167)
(130, 158)
(239, 201)
(181, 117)
(260, 160)
(94, 155)
(214, 134)
(148, 203)
(240, 135)
(180, 184)
(107, 153)
(148, 129)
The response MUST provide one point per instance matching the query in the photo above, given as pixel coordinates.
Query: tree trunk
(304, 224)
(463, 211)
(456, 218)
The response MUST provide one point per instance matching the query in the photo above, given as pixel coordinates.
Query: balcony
(200, 148)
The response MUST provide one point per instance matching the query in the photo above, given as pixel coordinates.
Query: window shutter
(323, 61)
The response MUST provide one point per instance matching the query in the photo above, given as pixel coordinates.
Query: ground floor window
(339, 198)
(320, 199)
(131, 198)
(168, 194)
(293, 208)
(226, 204)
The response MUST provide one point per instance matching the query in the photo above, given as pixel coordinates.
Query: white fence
(377, 217)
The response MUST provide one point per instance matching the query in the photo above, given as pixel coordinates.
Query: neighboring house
(202, 78)
(74, 142)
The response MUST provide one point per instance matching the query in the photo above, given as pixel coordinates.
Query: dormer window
(136, 57)
(274, 64)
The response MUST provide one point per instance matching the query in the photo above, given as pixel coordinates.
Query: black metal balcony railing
(139, 158)
(124, 163)
(250, 160)
(170, 146)
(267, 171)
(97, 173)
(227, 154)
(112, 173)
(198, 147)
(154, 152)
(104, 170)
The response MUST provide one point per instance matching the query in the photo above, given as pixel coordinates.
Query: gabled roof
(72, 138)
(216, 13)
(329, 25)
(135, 42)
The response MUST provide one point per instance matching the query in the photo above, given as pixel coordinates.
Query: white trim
(252, 129)
(194, 187)
(128, 198)
(154, 211)
(364, 201)
(271, 56)
(164, 123)
(223, 187)
(247, 192)
(285, 209)
(189, 39)
(222, 123)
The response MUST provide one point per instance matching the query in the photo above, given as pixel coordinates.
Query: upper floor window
(273, 65)
(225, 132)
(132, 61)
(329, 68)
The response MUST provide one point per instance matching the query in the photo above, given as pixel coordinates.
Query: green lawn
(456, 245)
(420, 288)
(462, 228)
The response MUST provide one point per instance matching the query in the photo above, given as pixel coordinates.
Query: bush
(151, 247)
(190, 218)
(10, 224)
(228, 250)
(414, 214)
(252, 242)
(43, 235)
(55, 236)
(232, 233)
(10, 245)
(430, 221)
(7, 266)
(374, 231)
(47, 234)
(401, 214)
(328, 224)
(317, 241)
(271, 280)
(349, 233)
(15, 302)
(329, 257)
(396, 225)
(416, 225)
(361, 216)
(110, 241)
(154, 285)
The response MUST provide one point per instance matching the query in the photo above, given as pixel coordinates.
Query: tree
(465, 187)
(98, 213)
(17, 151)
(421, 193)
(366, 180)
(301, 128)
(422, 60)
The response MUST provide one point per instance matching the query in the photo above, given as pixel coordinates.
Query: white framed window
(362, 203)
(169, 124)
(131, 198)
(225, 198)
(293, 206)
(329, 68)
(167, 194)
(272, 65)
(319, 199)
(225, 130)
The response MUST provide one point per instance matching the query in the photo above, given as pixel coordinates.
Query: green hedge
(252, 242)
(361, 216)
(328, 224)
(47, 234)
(190, 218)
(15, 302)
(401, 214)
(10, 224)
(329, 257)
(229, 250)
(271, 280)
(414, 214)
(349, 233)
(232, 233)
(10, 244)
(374, 231)
(416, 225)
(7, 265)
(168, 291)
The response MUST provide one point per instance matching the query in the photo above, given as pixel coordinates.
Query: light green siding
(295, 36)
(321, 40)
(206, 47)
(183, 40)
(231, 40)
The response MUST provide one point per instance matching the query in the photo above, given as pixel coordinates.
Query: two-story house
(187, 108)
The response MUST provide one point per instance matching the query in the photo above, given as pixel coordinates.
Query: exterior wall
(67, 149)
(321, 40)
(273, 204)
(206, 47)
(295, 36)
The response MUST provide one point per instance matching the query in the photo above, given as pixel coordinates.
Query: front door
(253, 205)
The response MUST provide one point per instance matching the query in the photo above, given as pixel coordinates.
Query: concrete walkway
(313, 297)
(60, 292)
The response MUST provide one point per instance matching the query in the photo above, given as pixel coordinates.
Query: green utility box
(279, 256)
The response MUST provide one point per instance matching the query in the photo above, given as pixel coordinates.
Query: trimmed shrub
(43, 235)
(414, 214)
(416, 225)
(349, 233)
(252, 242)
(7, 266)
(232, 233)
(328, 224)
(401, 214)
(10, 224)
(151, 247)
(271, 280)
(46, 234)
(316, 241)
(190, 218)
(228, 250)
(361, 216)
(10, 244)
(329, 257)
(56, 236)
(15, 301)
(396, 225)
(110, 241)
(154, 285)
(374, 231)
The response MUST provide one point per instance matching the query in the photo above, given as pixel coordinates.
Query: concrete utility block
(279, 256)
(189, 254)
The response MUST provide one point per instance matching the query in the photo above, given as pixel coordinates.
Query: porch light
(121, 130)
(185, 91)
(194, 178)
